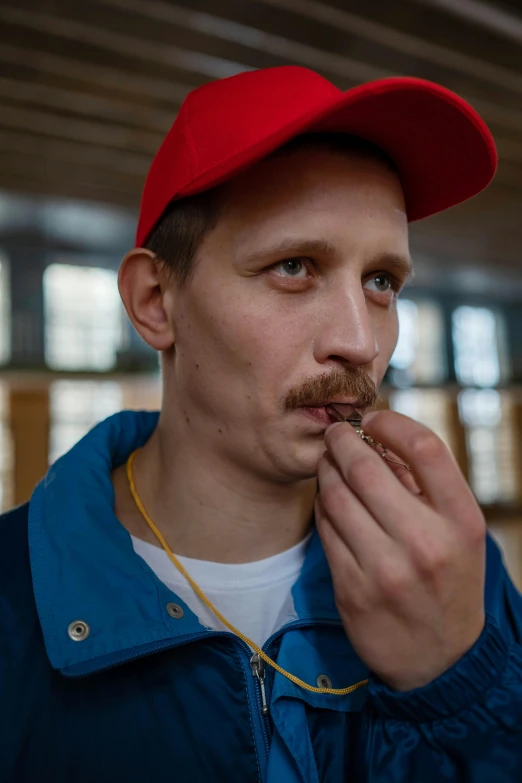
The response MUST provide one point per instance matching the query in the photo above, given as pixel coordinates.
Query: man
(365, 632)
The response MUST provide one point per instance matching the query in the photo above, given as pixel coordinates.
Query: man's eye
(292, 267)
(385, 282)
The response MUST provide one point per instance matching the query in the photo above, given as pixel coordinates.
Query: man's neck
(206, 512)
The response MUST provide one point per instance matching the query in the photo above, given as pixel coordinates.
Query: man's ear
(143, 288)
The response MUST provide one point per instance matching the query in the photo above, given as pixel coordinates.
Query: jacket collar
(84, 566)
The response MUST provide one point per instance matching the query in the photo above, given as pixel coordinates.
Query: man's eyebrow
(293, 247)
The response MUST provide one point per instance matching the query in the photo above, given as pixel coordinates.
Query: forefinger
(366, 473)
(431, 462)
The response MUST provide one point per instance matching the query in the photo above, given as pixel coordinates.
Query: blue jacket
(147, 697)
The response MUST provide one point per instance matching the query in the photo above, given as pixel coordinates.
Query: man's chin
(307, 460)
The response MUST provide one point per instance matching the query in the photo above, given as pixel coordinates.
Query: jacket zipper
(258, 668)
(257, 665)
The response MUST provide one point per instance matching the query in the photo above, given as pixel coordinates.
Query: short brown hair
(180, 230)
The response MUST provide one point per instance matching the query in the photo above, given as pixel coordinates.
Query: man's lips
(329, 413)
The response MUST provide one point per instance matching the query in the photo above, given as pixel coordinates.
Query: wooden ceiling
(88, 89)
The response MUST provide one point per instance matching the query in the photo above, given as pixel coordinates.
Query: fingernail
(369, 417)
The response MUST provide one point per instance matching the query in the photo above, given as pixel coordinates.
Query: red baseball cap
(442, 148)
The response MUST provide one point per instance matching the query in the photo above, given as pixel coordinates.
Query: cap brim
(442, 148)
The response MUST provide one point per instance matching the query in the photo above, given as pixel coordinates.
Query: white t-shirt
(255, 597)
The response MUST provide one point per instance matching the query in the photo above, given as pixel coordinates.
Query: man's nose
(346, 329)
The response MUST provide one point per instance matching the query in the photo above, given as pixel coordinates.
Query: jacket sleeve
(466, 725)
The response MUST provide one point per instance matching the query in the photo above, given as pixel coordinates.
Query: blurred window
(419, 356)
(479, 346)
(487, 415)
(404, 354)
(5, 312)
(427, 406)
(76, 406)
(83, 317)
(6, 452)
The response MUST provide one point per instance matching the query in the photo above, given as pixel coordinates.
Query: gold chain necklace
(201, 595)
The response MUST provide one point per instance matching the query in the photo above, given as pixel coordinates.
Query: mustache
(353, 383)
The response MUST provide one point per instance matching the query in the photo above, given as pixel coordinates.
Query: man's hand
(406, 550)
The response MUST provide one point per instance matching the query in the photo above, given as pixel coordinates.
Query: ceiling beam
(252, 38)
(72, 152)
(89, 132)
(493, 18)
(53, 167)
(510, 150)
(136, 48)
(69, 183)
(165, 90)
(122, 112)
(351, 69)
(405, 43)
(500, 115)
(20, 185)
